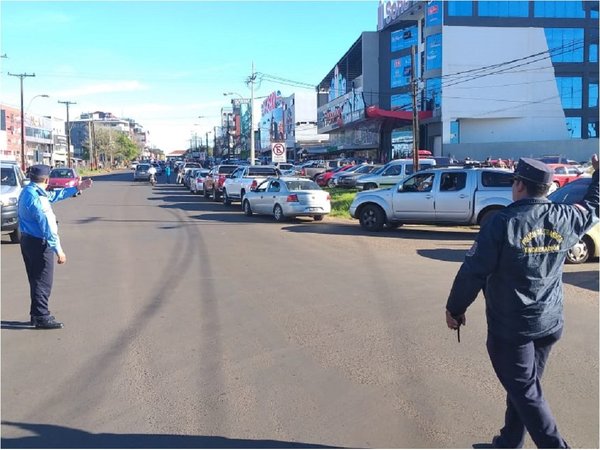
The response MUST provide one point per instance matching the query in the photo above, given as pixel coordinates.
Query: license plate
(314, 209)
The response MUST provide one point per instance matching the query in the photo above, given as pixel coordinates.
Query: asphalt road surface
(188, 324)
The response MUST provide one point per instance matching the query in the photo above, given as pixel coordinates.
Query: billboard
(342, 111)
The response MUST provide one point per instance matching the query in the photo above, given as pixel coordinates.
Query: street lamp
(33, 98)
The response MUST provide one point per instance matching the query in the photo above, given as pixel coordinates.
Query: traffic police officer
(517, 259)
(40, 241)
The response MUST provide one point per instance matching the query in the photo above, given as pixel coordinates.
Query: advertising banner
(342, 111)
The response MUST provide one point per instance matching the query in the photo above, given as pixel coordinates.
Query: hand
(85, 184)
(595, 161)
(61, 258)
(454, 322)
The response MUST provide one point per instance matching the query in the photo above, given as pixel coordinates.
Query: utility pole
(21, 76)
(207, 144)
(415, 119)
(69, 163)
(252, 151)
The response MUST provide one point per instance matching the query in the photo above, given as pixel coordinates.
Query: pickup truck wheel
(318, 217)
(226, 199)
(278, 214)
(372, 218)
(15, 236)
(247, 208)
(580, 252)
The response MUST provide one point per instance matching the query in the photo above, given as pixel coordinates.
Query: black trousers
(519, 367)
(39, 264)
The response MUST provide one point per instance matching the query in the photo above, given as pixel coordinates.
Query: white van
(12, 182)
(390, 174)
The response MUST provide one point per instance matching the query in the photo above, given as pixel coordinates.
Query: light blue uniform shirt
(36, 217)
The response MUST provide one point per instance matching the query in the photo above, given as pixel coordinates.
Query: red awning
(377, 113)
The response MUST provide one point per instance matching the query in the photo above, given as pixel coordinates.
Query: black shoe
(46, 323)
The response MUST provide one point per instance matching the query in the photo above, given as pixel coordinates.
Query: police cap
(39, 171)
(534, 171)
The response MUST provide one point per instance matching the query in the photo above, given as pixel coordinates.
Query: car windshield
(61, 173)
(302, 185)
(8, 177)
(571, 193)
(227, 169)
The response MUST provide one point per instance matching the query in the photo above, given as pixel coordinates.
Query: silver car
(286, 197)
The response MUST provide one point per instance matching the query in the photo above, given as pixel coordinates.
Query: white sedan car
(288, 197)
(197, 180)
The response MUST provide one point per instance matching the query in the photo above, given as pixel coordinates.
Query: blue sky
(164, 63)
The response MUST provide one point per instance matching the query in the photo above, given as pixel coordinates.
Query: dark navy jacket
(517, 260)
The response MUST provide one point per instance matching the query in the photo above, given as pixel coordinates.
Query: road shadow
(16, 325)
(353, 229)
(585, 279)
(443, 254)
(55, 436)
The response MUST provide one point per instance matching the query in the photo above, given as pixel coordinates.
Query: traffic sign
(278, 153)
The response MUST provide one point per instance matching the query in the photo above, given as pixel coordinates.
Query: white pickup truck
(245, 178)
(448, 196)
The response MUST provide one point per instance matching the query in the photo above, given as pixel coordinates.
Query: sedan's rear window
(61, 173)
(497, 179)
(141, 167)
(302, 185)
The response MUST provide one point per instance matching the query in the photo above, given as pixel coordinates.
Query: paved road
(191, 325)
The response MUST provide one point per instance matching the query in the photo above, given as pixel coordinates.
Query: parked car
(243, 179)
(133, 165)
(348, 180)
(287, 197)
(213, 183)
(392, 173)
(589, 245)
(563, 174)
(325, 178)
(185, 169)
(197, 180)
(141, 172)
(12, 181)
(311, 169)
(63, 177)
(333, 181)
(449, 196)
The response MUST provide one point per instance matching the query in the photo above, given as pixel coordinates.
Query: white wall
(520, 104)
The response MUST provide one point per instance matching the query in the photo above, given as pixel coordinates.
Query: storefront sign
(389, 11)
(342, 111)
(271, 102)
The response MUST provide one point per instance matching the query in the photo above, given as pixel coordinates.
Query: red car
(63, 177)
(564, 173)
(324, 179)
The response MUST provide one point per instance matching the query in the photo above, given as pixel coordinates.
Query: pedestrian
(517, 259)
(40, 241)
(168, 173)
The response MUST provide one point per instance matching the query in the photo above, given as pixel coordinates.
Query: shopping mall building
(491, 78)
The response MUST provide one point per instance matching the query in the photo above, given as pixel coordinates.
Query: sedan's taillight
(328, 197)
(254, 185)
(292, 198)
(303, 172)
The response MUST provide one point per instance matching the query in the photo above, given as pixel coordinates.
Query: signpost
(278, 152)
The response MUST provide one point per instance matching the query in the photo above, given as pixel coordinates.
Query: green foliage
(340, 201)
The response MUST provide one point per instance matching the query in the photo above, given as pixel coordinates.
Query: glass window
(404, 38)
(574, 127)
(593, 129)
(560, 9)
(593, 53)
(497, 179)
(453, 181)
(433, 94)
(593, 95)
(433, 16)
(570, 90)
(401, 102)
(401, 69)
(565, 44)
(433, 51)
(454, 132)
(3, 120)
(460, 8)
(504, 9)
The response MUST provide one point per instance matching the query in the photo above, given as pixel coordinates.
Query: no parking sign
(278, 153)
